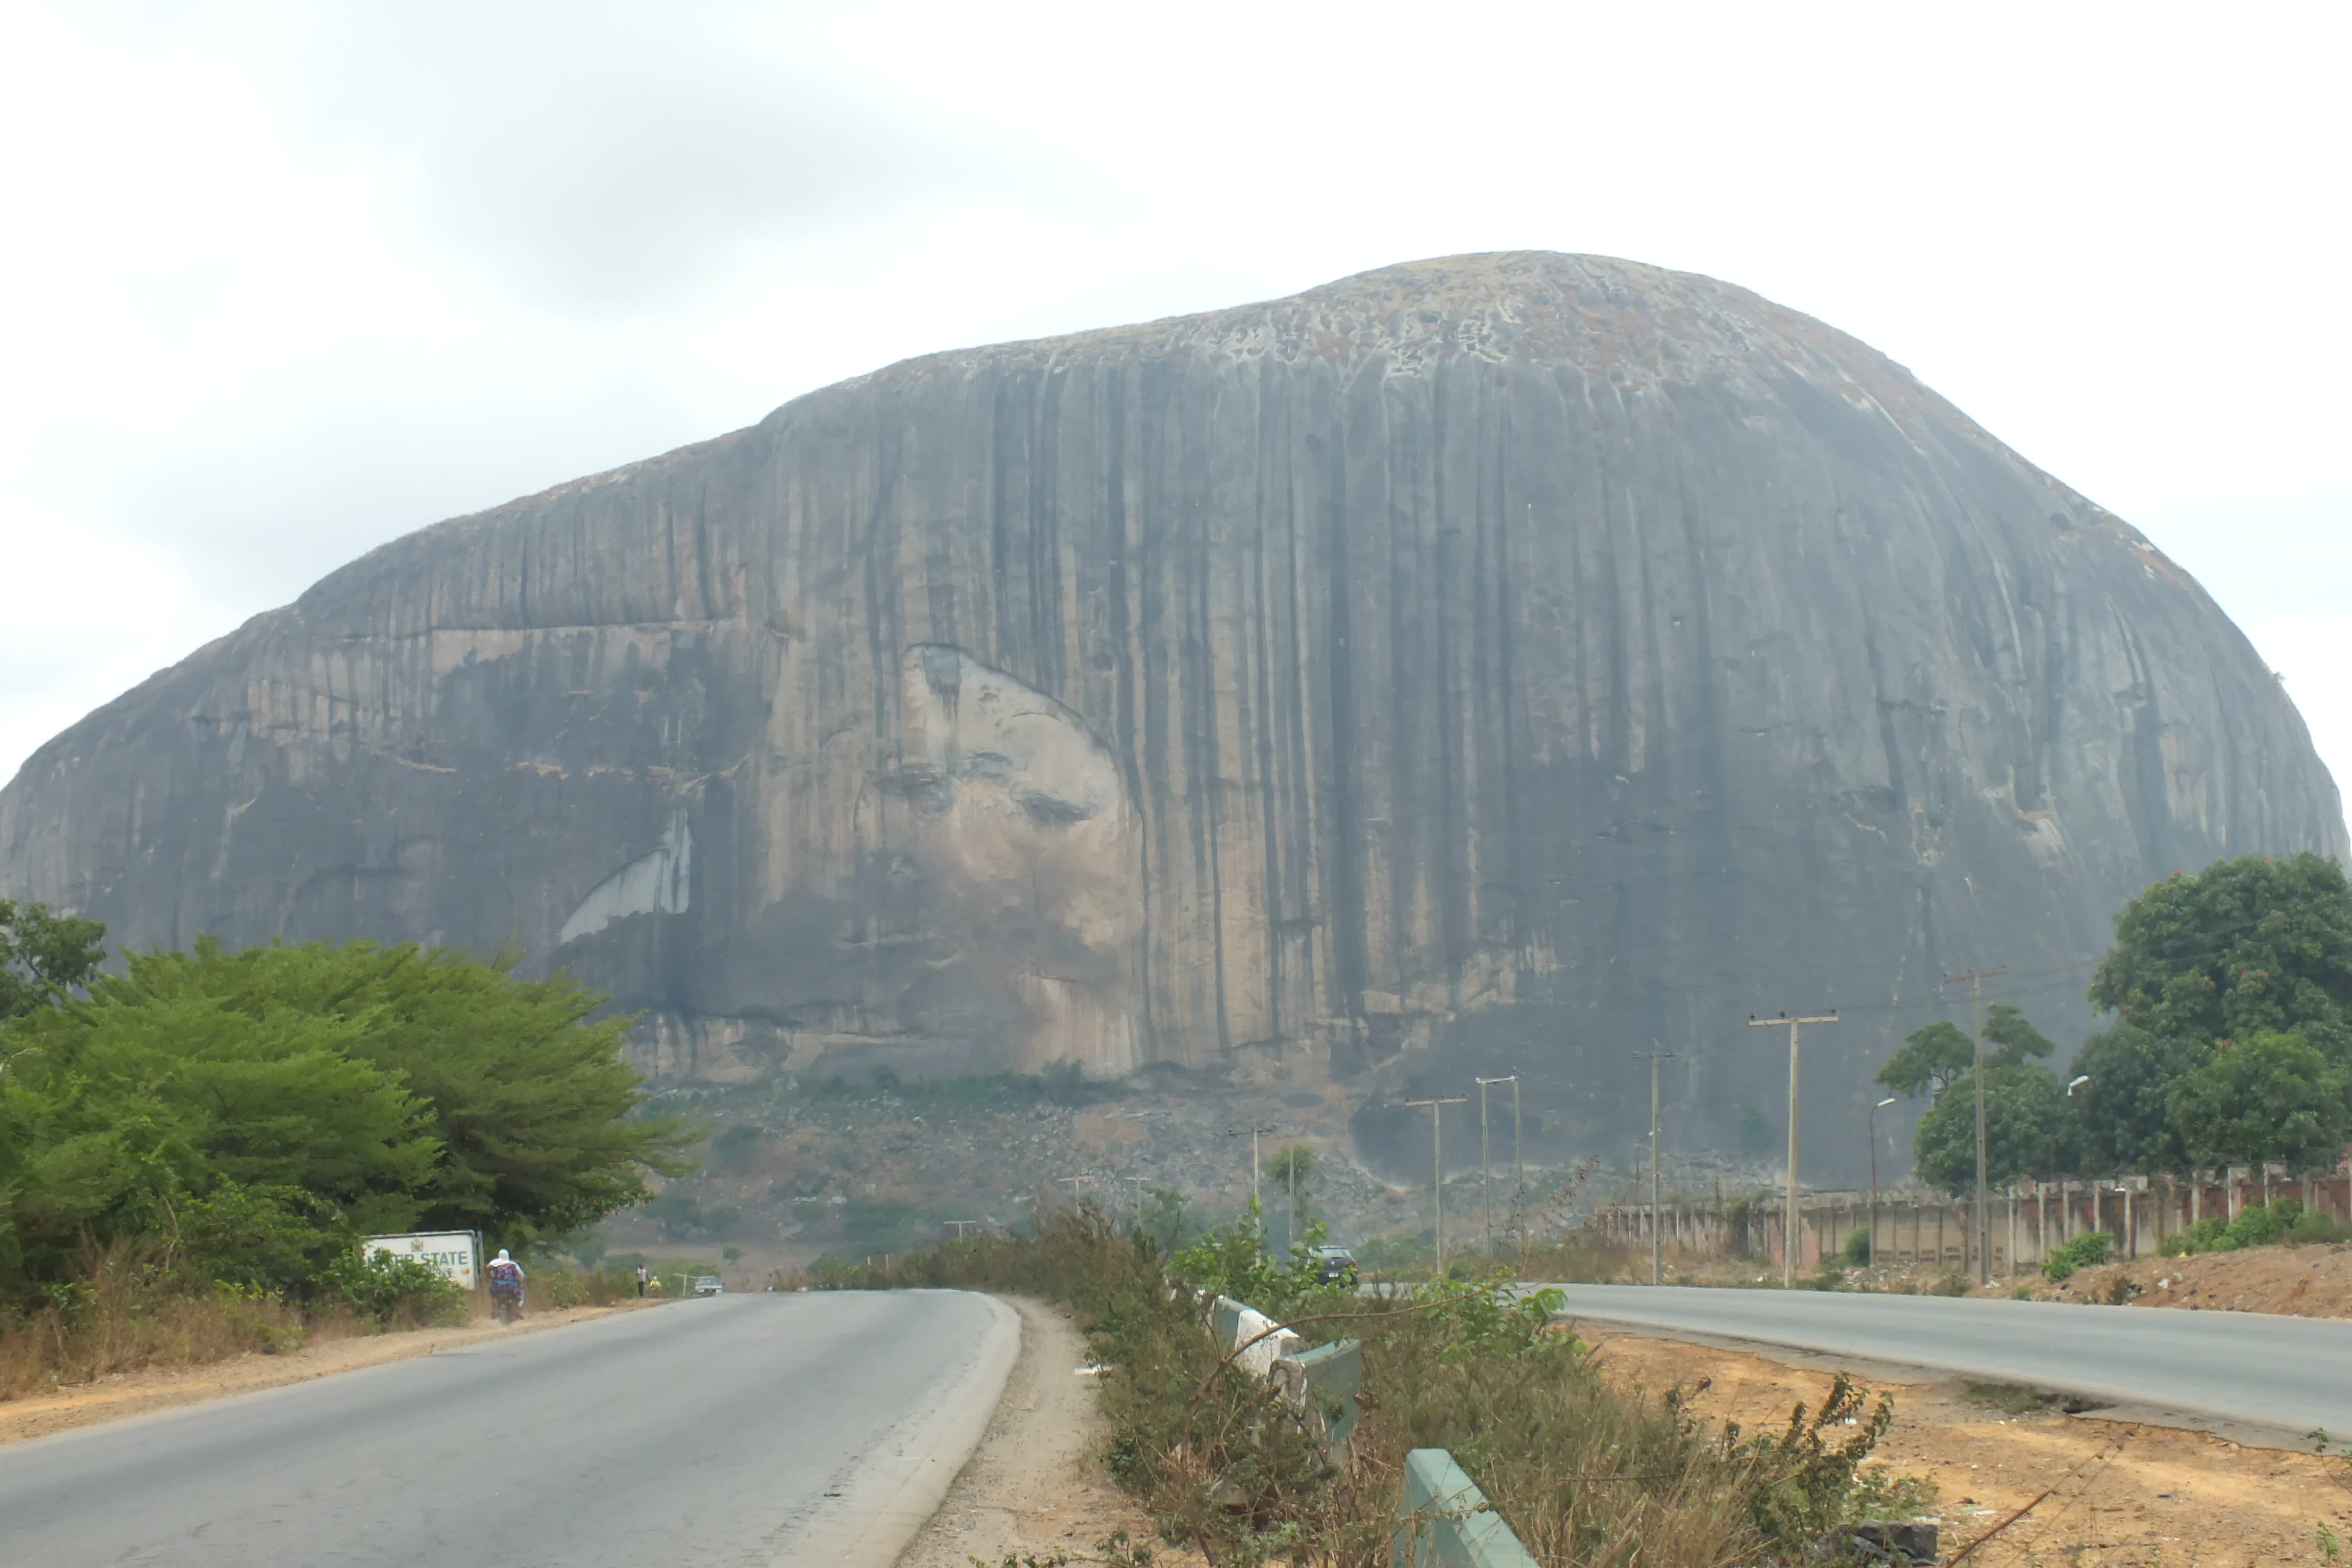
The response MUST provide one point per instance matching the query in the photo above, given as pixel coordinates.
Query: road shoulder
(1036, 1485)
(126, 1395)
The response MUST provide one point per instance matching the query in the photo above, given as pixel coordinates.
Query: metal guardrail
(1443, 1520)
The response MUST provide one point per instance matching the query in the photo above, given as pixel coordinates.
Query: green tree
(2121, 1120)
(44, 957)
(535, 1113)
(2246, 947)
(1930, 1060)
(1167, 1219)
(1292, 1170)
(249, 1144)
(2023, 1121)
(2270, 1097)
(2010, 1039)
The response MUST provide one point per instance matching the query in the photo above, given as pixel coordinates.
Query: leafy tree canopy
(528, 1096)
(1930, 1058)
(44, 957)
(1941, 1054)
(2267, 1097)
(2246, 947)
(2121, 1122)
(256, 1109)
(2025, 1122)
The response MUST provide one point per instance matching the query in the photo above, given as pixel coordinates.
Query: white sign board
(455, 1253)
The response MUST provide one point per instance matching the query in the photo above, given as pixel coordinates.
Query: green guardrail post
(1443, 1520)
(1329, 1376)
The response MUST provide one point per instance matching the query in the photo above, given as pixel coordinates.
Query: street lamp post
(1437, 1165)
(1874, 1175)
(1486, 1165)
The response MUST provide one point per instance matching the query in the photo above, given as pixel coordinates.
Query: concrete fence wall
(1919, 1227)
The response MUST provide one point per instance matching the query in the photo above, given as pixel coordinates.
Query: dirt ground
(2300, 1281)
(2118, 1493)
(1035, 1486)
(2314, 1281)
(141, 1393)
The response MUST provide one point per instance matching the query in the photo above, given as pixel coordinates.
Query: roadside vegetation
(1583, 1473)
(191, 1149)
(2231, 1045)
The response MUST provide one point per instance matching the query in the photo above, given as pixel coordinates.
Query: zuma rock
(1504, 662)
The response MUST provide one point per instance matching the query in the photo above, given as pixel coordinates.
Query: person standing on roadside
(641, 1280)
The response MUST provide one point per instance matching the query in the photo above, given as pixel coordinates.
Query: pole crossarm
(1789, 1214)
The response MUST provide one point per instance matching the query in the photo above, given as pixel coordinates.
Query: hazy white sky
(281, 282)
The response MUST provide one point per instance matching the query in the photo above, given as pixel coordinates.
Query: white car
(709, 1285)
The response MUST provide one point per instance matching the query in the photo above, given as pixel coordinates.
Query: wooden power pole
(1657, 1270)
(1976, 979)
(1789, 1214)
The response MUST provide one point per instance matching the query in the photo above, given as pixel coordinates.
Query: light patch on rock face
(1021, 825)
(657, 883)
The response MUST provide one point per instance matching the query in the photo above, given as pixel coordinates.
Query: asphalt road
(2272, 1376)
(817, 1428)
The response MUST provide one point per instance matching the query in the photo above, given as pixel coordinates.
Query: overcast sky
(281, 282)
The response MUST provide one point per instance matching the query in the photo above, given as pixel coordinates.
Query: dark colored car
(1334, 1266)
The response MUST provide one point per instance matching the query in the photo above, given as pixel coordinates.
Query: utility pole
(1789, 1214)
(1256, 1207)
(1486, 1165)
(1874, 1179)
(1518, 1174)
(1657, 1270)
(1976, 979)
(1437, 1164)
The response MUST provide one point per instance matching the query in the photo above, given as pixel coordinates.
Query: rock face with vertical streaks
(1507, 662)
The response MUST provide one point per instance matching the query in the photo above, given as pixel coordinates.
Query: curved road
(2283, 1376)
(738, 1430)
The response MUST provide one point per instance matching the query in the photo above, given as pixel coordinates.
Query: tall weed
(1584, 1472)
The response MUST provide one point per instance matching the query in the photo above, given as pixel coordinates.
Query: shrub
(1575, 1465)
(2258, 1225)
(1857, 1246)
(2087, 1250)
(565, 1289)
(384, 1288)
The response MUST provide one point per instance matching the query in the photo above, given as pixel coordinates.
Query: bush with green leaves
(1578, 1467)
(386, 1286)
(2283, 1220)
(2087, 1250)
(253, 1113)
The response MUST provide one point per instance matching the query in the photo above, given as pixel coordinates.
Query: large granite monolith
(1502, 662)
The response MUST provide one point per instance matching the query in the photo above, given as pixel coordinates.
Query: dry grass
(1585, 1473)
(127, 1311)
